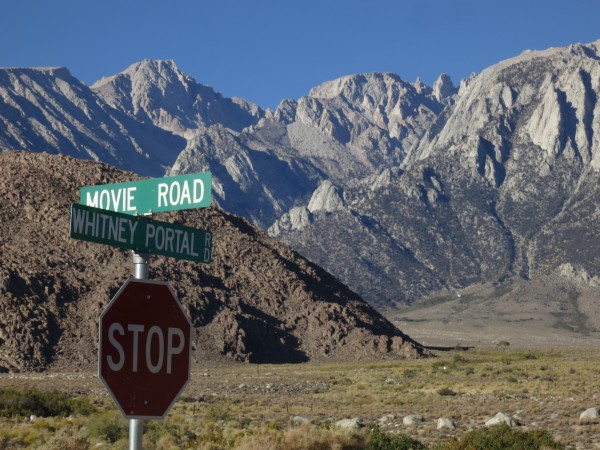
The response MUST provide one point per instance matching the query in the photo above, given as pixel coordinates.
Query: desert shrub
(173, 433)
(301, 438)
(22, 438)
(266, 439)
(68, 438)
(217, 413)
(503, 344)
(410, 374)
(109, 426)
(27, 402)
(212, 437)
(503, 437)
(438, 365)
(321, 439)
(446, 392)
(383, 441)
(457, 359)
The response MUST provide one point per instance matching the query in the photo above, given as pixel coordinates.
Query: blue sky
(265, 51)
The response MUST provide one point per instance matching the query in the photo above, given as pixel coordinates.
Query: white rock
(590, 414)
(412, 419)
(501, 418)
(349, 424)
(386, 418)
(300, 218)
(326, 198)
(445, 424)
(443, 88)
(300, 420)
(297, 219)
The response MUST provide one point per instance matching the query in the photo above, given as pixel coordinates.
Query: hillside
(258, 301)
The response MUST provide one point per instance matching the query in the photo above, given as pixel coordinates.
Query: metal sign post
(136, 426)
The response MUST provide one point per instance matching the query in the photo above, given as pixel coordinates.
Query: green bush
(109, 426)
(27, 402)
(68, 438)
(446, 392)
(383, 441)
(217, 413)
(503, 437)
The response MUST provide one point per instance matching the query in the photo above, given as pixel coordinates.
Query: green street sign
(151, 196)
(139, 233)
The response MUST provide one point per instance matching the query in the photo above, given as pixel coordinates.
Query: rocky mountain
(503, 184)
(155, 120)
(48, 110)
(342, 131)
(158, 92)
(398, 189)
(257, 301)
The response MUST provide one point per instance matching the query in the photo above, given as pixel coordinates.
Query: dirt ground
(539, 387)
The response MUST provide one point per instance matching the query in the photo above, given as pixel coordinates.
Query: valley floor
(542, 387)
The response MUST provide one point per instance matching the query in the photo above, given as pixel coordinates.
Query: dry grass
(249, 406)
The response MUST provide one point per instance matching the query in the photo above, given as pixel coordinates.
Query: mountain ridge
(50, 110)
(185, 104)
(433, 188)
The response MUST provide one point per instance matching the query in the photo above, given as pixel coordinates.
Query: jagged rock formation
(326, 198)
(504, 184)
(266, 165)
(48, 110)
(258, 183)
(159, 93)
(527, 131)
(378, 117)
(443, 89)
(397, 188)
(341, 131)
(257, 301)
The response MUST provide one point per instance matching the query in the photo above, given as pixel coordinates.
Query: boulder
(590, 414)
(327, 197)
(445, 424)
(300, 420)
(349, 424)
(502, 418)
(385, 419)
(412, 420)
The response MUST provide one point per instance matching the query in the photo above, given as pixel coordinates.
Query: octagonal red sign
(145, 348)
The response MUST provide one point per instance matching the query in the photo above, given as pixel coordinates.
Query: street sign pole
(136, 426)
(140, 266)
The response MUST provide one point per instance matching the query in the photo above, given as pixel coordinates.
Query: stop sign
(144, 350)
